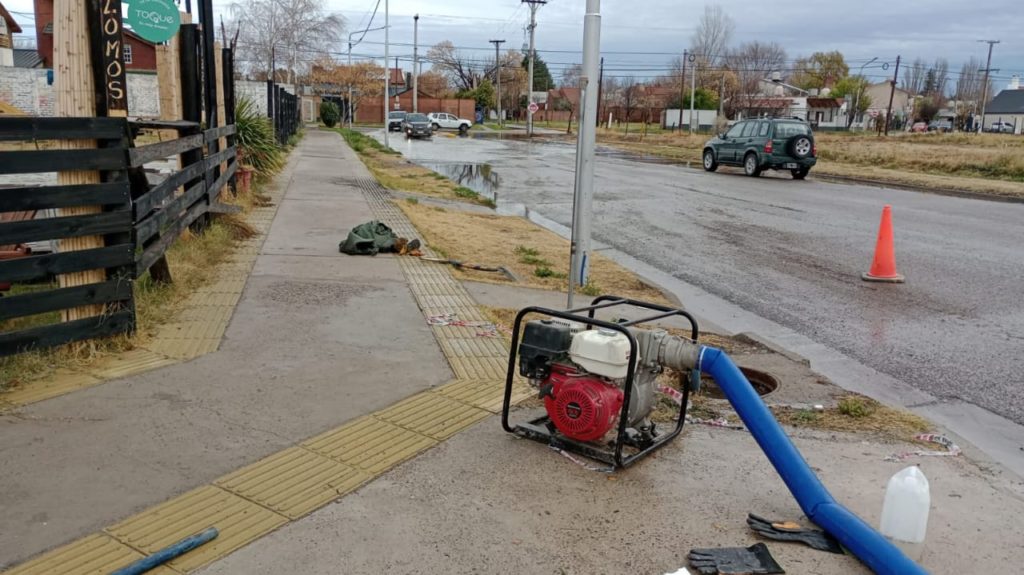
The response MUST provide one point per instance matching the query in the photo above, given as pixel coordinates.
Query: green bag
(368, 239)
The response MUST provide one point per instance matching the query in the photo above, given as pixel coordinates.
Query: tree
(571, 76)
(822, 69)
(365, 79)
(969, 90)
(463, 72)
(925, 109)
(703, 100)
(939, 73)
(914, 77)
(482, 94)
(435, 84)
(854, 89)
(751, 63)
(712, 36)
(289, 33)
(631, 91)
(330, 114)
(542, 80)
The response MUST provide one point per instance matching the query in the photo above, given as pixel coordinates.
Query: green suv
(756, 145)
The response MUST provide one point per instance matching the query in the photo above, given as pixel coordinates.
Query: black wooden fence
(138, 221)
(283, 109)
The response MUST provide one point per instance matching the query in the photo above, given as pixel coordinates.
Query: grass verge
(539, 257)
(396, 173)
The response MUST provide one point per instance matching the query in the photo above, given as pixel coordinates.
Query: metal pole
(682, 91)
(721, 98)
(415, 62)
(350, 110)
(387, 78)
(693, 89)
(892, 93)
(856, 97)
(984, 87)
(600, 89)
(534, 5)
(587, 131)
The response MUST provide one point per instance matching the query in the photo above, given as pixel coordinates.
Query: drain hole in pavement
(764, 383)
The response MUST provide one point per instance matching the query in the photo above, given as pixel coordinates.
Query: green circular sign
(155, 20)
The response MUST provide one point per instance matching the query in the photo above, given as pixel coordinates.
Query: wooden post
(221, 117)
(76, 96)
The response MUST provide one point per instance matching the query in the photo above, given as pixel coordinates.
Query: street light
(363, 32)
(856, 97)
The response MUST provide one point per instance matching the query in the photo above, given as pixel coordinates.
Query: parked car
(757, 145)
(919, 127)
(395, 121)
(940, 126)
(1001, 127)
(443, 121)
(417, 126)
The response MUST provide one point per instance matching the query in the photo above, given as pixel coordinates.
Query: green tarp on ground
(368, 240)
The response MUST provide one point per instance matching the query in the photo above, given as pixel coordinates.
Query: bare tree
(752, 62)
(284, 33)
(631, 95)
(970, 89)
(940, 78)
(435, 84)
(914, 77)
(571, 76)
(712, 36)
(462, 71)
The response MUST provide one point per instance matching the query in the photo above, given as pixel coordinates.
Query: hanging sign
(155, 20)
(107, 39)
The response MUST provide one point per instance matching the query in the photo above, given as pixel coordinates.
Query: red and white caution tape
(677, 396)
(952, 449)
(580, 462)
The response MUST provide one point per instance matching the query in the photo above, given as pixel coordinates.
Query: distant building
(1006, 108)
(8, 28)
(139, 54)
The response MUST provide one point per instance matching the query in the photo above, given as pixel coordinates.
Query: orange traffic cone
(883, 269)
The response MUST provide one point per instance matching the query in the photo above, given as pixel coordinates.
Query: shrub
(255, 137)
(854, 406)
(330, 114)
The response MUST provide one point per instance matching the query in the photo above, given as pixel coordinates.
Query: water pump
(598, 379)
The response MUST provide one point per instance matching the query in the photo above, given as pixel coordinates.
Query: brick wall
(28, 90)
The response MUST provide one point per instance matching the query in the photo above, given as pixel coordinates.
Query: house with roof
(1006, 108)
(139, 53)
(8, 28)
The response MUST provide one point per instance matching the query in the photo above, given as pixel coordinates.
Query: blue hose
(874, 550)
(168, 553)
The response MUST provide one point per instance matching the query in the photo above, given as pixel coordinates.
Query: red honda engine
(581, 406)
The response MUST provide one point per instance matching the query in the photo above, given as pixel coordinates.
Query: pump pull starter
(598, 379)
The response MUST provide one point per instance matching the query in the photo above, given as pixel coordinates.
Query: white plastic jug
(905, 509)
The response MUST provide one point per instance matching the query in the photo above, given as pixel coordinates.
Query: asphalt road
(793, 252)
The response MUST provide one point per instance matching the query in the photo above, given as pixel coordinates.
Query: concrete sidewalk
(316, 340)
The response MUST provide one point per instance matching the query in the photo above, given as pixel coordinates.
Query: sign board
(533, 107)
(107, 39)
(155, 20)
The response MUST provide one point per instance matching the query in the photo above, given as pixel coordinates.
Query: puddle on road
(481, 178)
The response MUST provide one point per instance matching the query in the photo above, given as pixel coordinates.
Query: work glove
(789, 531)
(741, 560)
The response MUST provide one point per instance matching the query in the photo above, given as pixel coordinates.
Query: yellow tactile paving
(61, 382)
(294, 481)
(485, 394)
(128, 363)
(432, 415)
(238, 520)
(180, 348)
(477, 347)
(215, 313)
(370, 444)
(207, 328)
(479, 367)
(97, 554)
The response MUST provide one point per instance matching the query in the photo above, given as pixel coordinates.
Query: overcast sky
(861, 30)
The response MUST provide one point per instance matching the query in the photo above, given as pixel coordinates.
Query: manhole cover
(764, 383)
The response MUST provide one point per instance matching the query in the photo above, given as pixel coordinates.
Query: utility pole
(892, 93)
(415, 62)
(682, 89)
(497, 73)
(721, 98)
(534, 5)
(600, 90)
(984, 86)
(387, 78)
(583, 200)
(693, 90)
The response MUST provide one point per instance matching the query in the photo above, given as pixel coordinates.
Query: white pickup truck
(442, 121)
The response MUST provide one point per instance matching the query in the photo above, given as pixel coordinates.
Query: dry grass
(986, 163)
(856, 414)
(539, 257)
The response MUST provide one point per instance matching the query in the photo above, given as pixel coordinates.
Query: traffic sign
(533, 107)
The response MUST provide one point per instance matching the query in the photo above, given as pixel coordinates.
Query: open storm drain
(764, 383)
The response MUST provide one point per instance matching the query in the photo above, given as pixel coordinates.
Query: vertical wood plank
(221, 117)
(76, 96)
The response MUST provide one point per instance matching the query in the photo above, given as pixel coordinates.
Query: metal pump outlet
(596, 377)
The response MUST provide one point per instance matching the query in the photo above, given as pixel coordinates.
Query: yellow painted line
(294, 482)
(238, 520)
(370, 444)
(97, 554)
(432, 415)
